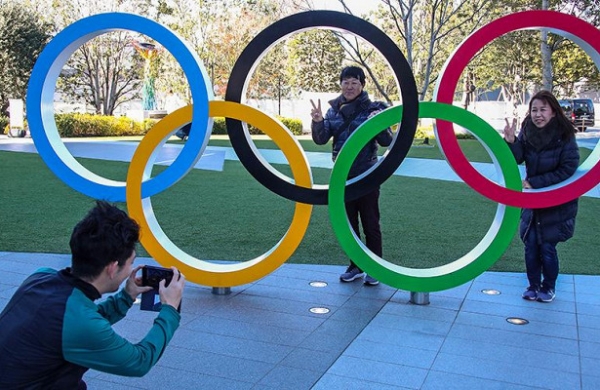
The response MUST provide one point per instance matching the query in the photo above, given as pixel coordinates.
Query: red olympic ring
(587, 175)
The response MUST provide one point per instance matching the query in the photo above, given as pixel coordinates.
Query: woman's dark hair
(565, 126)
(105, 235)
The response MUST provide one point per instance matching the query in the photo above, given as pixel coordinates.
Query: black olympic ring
(403, 138)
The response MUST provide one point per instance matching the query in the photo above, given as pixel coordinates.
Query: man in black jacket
(347, 112)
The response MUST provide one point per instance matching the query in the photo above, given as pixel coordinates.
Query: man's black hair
(105, 235)
(354, 72)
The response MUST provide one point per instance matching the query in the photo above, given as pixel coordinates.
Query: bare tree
(546, 52)
(103, 72)
(426, 31)
(430, 29)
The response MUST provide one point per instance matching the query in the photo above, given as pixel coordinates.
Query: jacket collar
(89, 290)
(362, 100)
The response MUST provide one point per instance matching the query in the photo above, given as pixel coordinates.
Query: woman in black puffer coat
(547, 145)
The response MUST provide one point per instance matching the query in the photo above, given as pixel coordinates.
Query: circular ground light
(490, 291)
(517, 321)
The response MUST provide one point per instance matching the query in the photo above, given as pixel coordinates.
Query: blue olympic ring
(40, 98)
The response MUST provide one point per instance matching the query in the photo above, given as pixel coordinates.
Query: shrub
(424, 132)
(427, 132)
(4, 121)
(294, 125)
(5, 126)
(148, 123)
(86, 125)
(219, 126)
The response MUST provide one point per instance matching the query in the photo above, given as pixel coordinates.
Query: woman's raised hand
(510, 130)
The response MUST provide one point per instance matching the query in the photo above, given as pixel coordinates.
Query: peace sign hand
(509, 130)
(316, 113)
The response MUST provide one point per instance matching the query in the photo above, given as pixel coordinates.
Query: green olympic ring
(450, 275)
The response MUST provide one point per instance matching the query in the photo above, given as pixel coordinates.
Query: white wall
(492, 112)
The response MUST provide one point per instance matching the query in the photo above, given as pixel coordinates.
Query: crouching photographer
(52, 332)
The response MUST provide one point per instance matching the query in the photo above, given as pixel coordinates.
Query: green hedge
(427, 132)
(5, 125)
(4, 121)
(295, 126)
(87, 125)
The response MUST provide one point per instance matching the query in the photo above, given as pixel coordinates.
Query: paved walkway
(265, 336)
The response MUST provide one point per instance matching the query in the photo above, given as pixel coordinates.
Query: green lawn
(228, 215)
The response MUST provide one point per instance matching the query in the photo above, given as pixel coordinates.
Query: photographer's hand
(171, 295)
(134, 287)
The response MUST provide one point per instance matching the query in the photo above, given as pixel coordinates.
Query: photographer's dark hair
(106, 234)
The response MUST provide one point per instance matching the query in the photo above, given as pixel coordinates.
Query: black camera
(151, 276)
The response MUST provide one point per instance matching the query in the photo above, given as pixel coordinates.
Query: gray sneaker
(370, 281)
(352, 273)
(531, 294)
(546, 296)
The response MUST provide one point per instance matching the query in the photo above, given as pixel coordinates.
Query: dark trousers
(366, 208)
(540, 259)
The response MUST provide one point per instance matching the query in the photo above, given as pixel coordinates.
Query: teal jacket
(52, 332)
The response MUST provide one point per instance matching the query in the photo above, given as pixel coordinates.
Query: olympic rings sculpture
(140, 186)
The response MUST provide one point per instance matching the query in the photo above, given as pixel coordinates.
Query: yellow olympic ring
(156, 242)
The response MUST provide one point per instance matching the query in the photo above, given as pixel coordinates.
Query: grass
(228, 215)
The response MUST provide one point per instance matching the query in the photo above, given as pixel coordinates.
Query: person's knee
(549, 252)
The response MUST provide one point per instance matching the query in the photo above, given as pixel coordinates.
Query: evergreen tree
(315, 60)
(22, 38)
